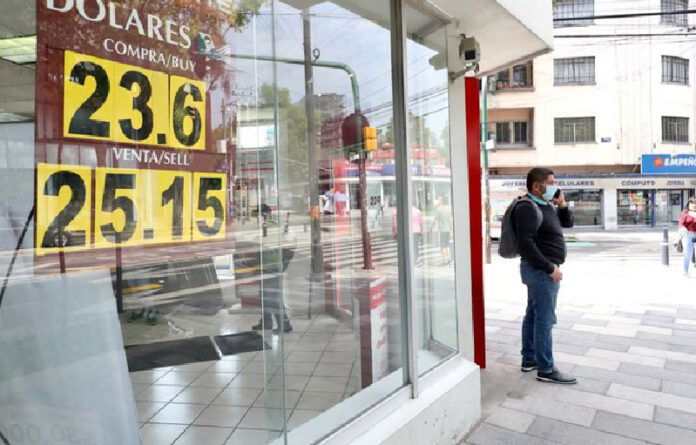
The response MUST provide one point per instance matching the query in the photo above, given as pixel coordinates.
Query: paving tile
(227, 366)
(685, 322)
(334, 369)
(652, 397)
(251, 437)
(201, 395)
(618, 377)
(679, 356)
(674, 365)
(553, 409)
(263, 418)
(160, 433)
(670, 339)
(570, 349)
(510, 419)
(506, 339)
(148, 409)
(613, 339)
(569, 434)
(664, 374)
(327, 384)
(150, 376)
(298, 368)
(301, 416)
(680, 389)
(586, 384)
(606, 403)
(675, 418)
(198, 366)
(238, 396)
(627, 357)
(214, 379)
(276, 398)
(221, 416)
(492, 435)
(318, 400)
(179, 378)
(160, 393)
(640, 328)
(616, 318)
(651, 432)
(199, 435)
(623, 331)
(602, 363)
(183, 413)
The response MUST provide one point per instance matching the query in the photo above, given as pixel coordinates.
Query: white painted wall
(628, 99)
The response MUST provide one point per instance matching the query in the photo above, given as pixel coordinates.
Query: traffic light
(370, 138)
(352, 134)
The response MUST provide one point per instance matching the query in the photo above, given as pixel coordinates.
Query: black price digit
(175, 194)
(56, 235)
(82, 122)
(181, 112)
(111, 203)
(205, 202)
(139, 104)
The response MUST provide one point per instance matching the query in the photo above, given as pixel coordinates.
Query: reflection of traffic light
(352, 134)
(370, 138)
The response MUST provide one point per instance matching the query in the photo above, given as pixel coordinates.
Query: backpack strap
(540, 216)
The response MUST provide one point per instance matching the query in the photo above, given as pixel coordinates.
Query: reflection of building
(595, 105)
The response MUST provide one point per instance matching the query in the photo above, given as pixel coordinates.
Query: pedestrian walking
(687, 227)
(443, 218)
(416, 228)
(543, 250)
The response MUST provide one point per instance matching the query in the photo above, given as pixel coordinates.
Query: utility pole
(317, 256)
(484, 171)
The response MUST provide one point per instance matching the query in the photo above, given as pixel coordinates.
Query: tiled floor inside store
(224, 402)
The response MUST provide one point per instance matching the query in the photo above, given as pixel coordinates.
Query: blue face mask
(550, 191)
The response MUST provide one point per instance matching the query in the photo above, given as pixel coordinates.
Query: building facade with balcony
(611, 91)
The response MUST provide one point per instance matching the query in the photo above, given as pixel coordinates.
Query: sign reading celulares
(125, 154)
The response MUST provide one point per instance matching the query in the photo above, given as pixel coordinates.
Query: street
(626, 329)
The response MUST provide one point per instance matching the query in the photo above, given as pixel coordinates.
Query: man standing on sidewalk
(543, 249)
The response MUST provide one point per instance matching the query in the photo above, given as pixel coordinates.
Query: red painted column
(473, 154)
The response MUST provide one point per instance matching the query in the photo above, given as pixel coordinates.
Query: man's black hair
(537, 174)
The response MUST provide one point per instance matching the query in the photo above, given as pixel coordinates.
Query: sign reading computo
(111, 101)
(132, 207)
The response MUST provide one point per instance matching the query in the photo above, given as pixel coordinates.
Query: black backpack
(508, 247)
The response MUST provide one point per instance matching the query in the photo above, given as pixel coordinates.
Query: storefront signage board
(125, 153)
(668, 165)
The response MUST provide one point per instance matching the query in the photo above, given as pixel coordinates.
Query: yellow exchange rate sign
(111, 101)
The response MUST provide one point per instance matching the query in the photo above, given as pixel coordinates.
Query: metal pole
(665, 247)
(317, 256)
(404, 191)
(484, 171)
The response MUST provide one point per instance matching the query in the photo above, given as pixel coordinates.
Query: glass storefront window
(633, 207)
(586, 206)
(198, 219)
(431, 211)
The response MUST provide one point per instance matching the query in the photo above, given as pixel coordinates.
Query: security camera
(469, 51)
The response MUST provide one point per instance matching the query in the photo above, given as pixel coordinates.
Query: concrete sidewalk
(626, 328)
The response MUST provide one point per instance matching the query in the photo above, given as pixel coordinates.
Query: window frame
(512, 141)
(569, 9)
(675, 121)
(680, 20)
(575, 122)
(575, 64)
(673, 62)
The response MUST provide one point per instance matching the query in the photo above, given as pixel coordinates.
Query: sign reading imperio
(124, 150)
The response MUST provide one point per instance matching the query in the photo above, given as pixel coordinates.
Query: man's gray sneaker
(529, 366)
(556, 376)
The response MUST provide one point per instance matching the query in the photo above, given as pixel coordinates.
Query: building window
(674, 19)
(502, 133)
(574, 71)
(509, 133)
(571, 9)
(675, 70)
(503, 79)
(574, 130)
(519, 76)
(520, 132)
(675, 129)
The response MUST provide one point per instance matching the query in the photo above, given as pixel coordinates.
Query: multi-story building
(612, 90)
